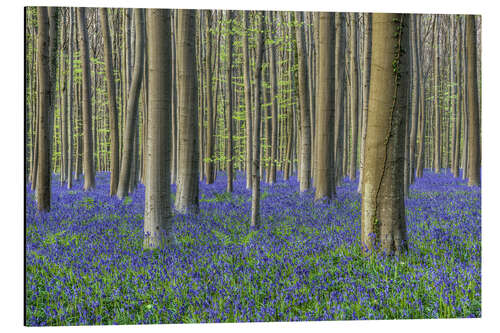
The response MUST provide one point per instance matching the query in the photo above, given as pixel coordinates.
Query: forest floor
(85, 264)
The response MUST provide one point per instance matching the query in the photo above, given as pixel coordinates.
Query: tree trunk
(474, 167)
(174, 109)
(437, 115)
(229, 103)
(186, 199)
(325, 113)
(210, 134)
(255, 215)
(112, 110)
(383, 211)
(132, 108)
(354, 96)
(421, 135)
(274, 110)
(305, 124)
(157, 213)
(339, 95)
(44, 95)
(248, 104)
(458, 104)
(88, 154)
(69, 173)
(366, 91)
(414, 97)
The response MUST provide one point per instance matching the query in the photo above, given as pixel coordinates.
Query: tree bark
(437, 115)
(339, 94)
(43, 178)
(458, 103)
(88, 153)
(326, 103)
(366, 90)
(186, 199)
(112, 109)
(474, 167)
(157, 215)
(248, 104)
(229, 103)
(383, 211)
(305, 124)
(414, 97)
(274, 109)
(353, 96)
(255, 214)
(210, 134)
(132, 108)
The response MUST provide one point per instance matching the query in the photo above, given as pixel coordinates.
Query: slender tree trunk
(274, 109)
(414, 97)
(112, 109)
(339, 94)
(255, 215)
(474, 168)
(437, 114)
(383, 210)
(210, 134)
(248, 104)
(174, 110)
(421, 135)
(229, 105)
(63, 110)
(186, 199)
(88, 153)
(305, 124)
(157, 215)
(132, 108)
(354, 96)
(366, 91)
(458, 104)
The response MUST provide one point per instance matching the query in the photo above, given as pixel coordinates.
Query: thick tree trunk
(383, 211)
(305, 124)
(186, 199)
(88, 153)
(326, 102)
(255, 214)
(157, 213)
(132, 109)
(474, 167)
(43, 177)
